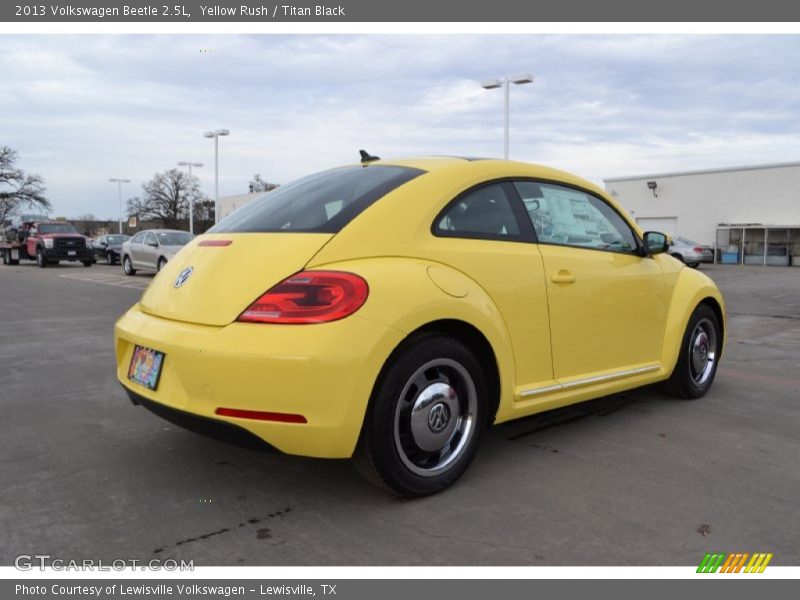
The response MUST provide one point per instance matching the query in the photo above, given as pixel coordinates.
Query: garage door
(668, 225)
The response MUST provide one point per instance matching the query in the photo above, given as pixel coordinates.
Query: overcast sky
(81, 109)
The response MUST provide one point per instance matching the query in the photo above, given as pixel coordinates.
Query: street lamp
(119, 183)
(184, 163)
(505, 84)
(216, 135)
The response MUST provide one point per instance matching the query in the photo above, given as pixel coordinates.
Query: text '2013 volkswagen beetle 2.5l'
(390, 311)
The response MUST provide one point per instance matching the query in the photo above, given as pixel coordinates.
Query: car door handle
(563, 276)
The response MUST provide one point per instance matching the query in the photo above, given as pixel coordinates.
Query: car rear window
(320, 203)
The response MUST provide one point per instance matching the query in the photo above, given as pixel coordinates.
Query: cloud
(81, 109)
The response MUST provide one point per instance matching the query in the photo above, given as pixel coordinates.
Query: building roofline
(703, 171)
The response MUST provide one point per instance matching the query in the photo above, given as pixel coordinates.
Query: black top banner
(148, 11)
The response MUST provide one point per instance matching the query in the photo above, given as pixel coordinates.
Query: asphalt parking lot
(634, 479)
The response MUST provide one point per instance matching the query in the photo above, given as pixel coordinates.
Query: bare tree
(166, 198)
(259, 185)
(19, 190)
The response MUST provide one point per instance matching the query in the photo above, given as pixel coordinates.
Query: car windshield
(57, 228)
(320, 203)
(116, 240)
(174, 238)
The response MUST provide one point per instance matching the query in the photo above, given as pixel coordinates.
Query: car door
(31, 240)
(607, 302)
(137, 243)
(485, 234)
(149, 251)
(99, 246)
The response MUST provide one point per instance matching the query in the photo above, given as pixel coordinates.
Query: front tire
(698, 358)
(127, 266)
(425, 418)
(161, 263)
(88, 263)
(41, 261)
(110, 259)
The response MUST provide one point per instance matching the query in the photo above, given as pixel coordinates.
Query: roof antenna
(367, 157)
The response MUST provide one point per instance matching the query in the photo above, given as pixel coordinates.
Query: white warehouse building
(753, 207)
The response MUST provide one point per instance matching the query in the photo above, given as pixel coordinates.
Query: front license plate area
(71, 252)
(145, 367)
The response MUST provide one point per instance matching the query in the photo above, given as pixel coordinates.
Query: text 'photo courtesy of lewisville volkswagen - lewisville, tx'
(510, 301)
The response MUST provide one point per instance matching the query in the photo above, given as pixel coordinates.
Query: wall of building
(228, 204)
(701, 200)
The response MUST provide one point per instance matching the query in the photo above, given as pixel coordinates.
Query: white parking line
(110, 279)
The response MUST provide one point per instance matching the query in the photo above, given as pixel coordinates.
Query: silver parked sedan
(690, 252)
(152, 249)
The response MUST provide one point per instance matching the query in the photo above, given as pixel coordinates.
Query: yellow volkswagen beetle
(390, 311)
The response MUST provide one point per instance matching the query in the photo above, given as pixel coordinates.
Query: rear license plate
(71, 252)
(145, 368)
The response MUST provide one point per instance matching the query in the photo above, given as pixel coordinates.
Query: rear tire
(693, 265)
(425, 418)
(678, 256)
(698, 357)
(127, 266)
(110, 259)
(88, 263)
(41, 261)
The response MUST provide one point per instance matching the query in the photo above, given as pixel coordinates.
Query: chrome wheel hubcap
(702, 351)
(435, 417)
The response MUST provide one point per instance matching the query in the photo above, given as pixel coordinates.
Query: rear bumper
(213, 428)
(323, 372)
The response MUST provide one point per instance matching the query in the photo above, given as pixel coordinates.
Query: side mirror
(655, 242)
(153, 244)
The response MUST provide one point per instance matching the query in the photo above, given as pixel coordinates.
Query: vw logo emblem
(438, 418)
(181, 279)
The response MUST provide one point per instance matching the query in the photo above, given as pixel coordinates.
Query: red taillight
(698, 249)
(260, 415)
(309, 297)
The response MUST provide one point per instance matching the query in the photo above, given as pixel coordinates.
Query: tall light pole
(185, 163)
(119, 183)
(216, 135)
(505, 83)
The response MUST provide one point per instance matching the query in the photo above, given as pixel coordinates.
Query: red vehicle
(46, 242)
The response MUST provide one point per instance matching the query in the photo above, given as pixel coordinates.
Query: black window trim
(527, 234)
(638, 251)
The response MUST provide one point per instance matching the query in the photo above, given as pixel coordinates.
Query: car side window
(138, 238)
(150, 238)
(570, 217)
(484, 212)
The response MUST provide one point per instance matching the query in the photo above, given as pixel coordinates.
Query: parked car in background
(16, 226)
(391, 311)
(152, 249)
(109, 247)
(690, 252)
(48, 243)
